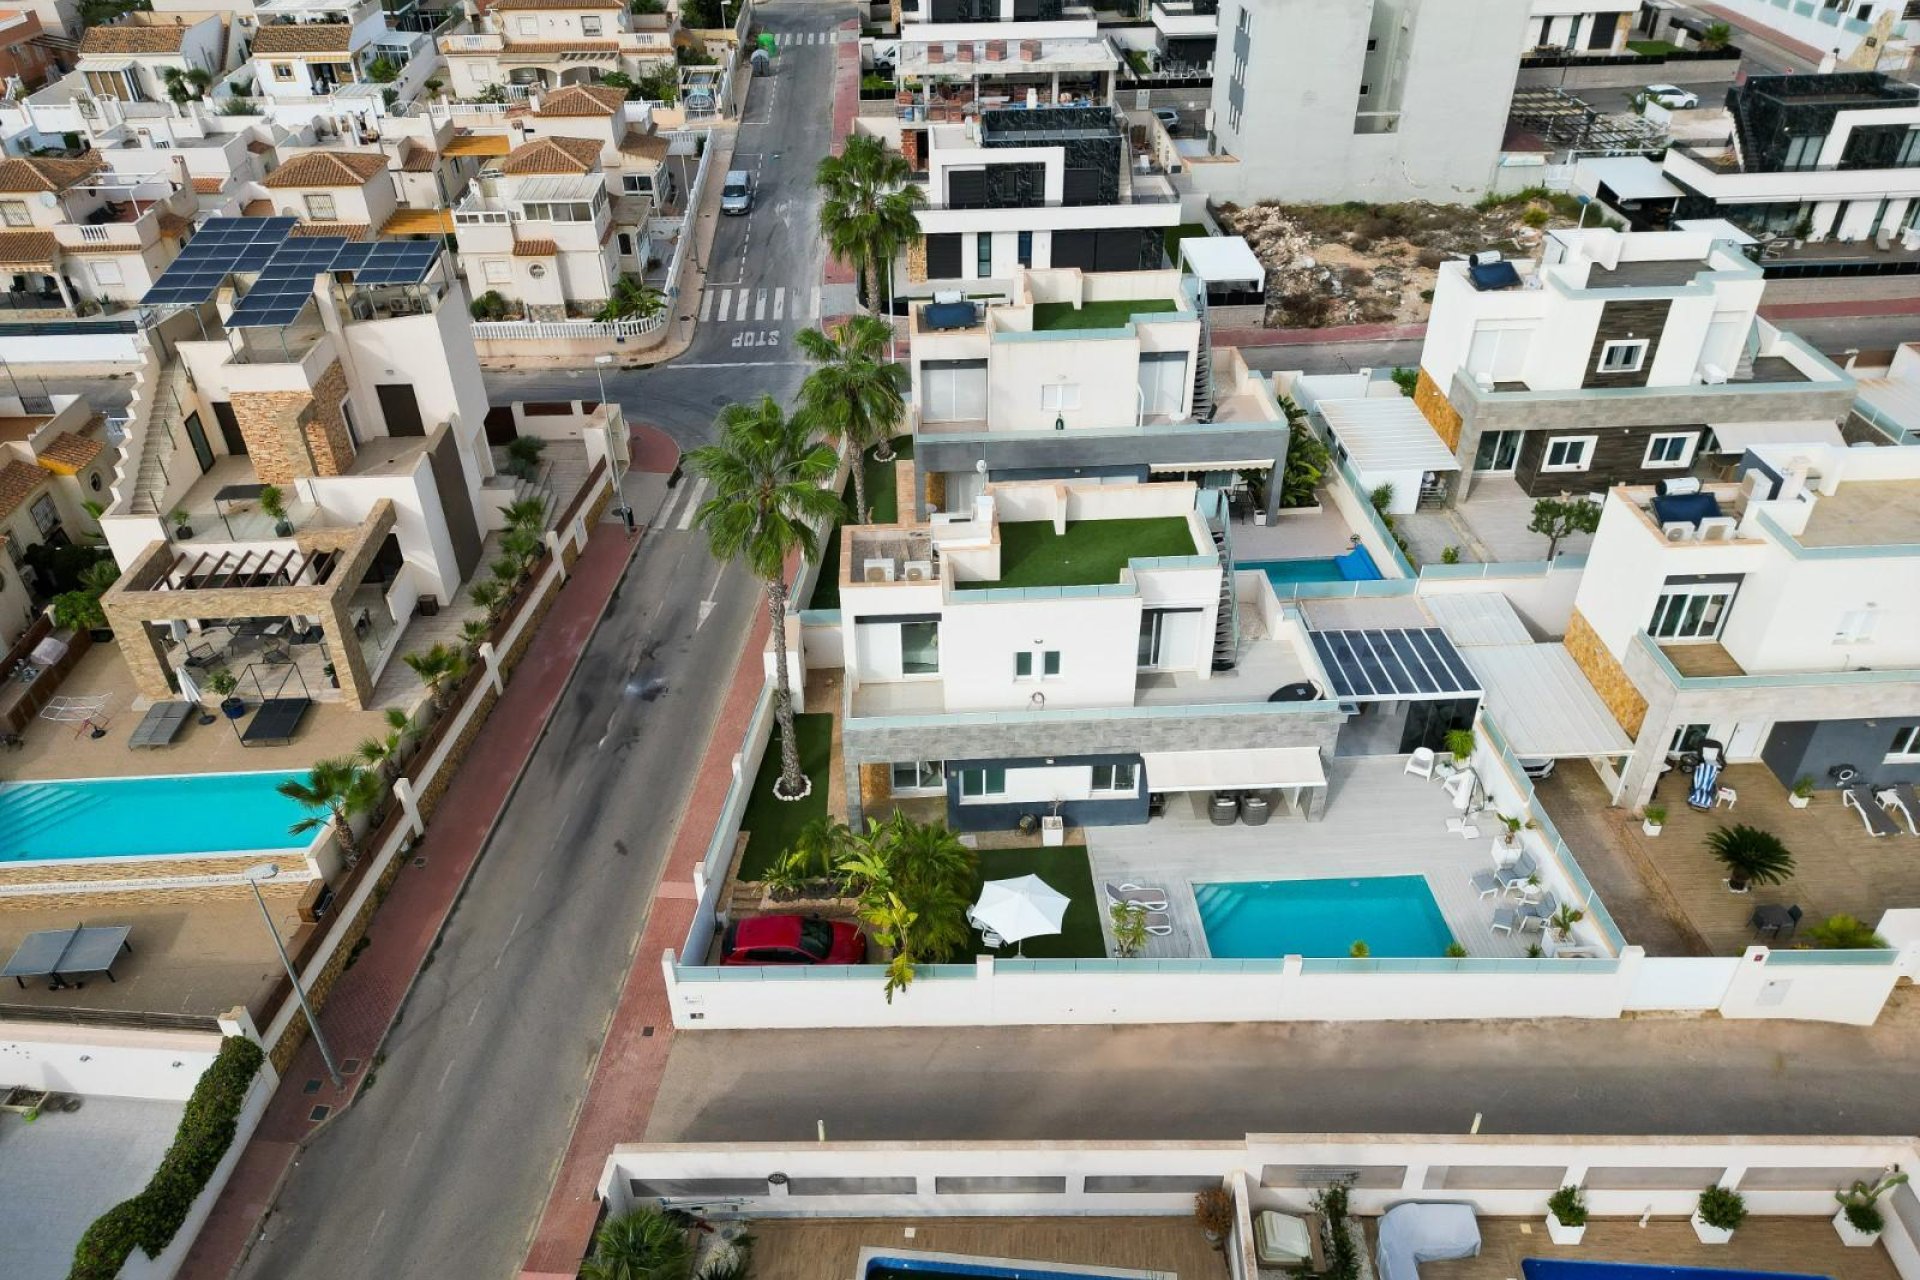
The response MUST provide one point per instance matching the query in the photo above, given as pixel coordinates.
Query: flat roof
(1222, 258)
(1866, 513)
(1478, 618)
(1632, 177)
(1387, 433)
(1543, 702)
(1718, 228)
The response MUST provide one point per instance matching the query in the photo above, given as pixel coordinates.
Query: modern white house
(1378, 100)
(1771, 614)
(519, 45)
(1083, 375)
(1579, 26)
(1615, 358)
(958, 57)
(1858, 32)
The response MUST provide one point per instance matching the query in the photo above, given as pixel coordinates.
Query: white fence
(566, 330)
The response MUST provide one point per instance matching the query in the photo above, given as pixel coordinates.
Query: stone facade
(1441, 416)
(326, 430)
(917, 261)
(121, 869)
(1604, 672)
(282, 900)
(294, 435)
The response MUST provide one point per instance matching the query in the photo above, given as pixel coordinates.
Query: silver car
(736, 192)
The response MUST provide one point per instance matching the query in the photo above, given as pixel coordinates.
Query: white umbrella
(1021, 908)
(189, 688)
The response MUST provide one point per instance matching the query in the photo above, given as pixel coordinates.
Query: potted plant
(1028, 823)
(1719, 1213)
(1213, 1210)
(1511, 840)
(1564, 920)
(1459, 744)
(1566, 1216)
(223, 682)
(1653, 818)
(1053, 828)
(274, 503)
(1860, 1221)
(181, 529)
(1802, 794)
(1751, 856)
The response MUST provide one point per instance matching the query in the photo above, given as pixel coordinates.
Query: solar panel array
(1394, 664)
(284, 265)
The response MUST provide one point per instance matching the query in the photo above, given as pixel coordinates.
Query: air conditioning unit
(1679, 531)
(919, 571)
(877, 571)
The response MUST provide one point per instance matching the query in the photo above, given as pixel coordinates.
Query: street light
(267, 871)
(620, 507)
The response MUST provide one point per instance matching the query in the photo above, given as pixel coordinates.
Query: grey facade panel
(1164, 448)
(1577, 410)
(1813, 747)
(1068, 735)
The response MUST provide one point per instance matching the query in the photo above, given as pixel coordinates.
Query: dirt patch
(1375, 263)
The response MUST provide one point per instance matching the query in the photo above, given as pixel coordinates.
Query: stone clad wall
(1440, 415)
(294, 435)
(1604, 672)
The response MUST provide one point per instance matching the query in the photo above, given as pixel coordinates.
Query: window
(1670, 450)
(1624, 356)
(1055, 396)
(1024, 247)
(637, 184)
(990, 781)
(1803, 152)
(1115, 779)
(1365, 88)
(283, 71)
(1164, 382)
(983, 255)
(920, 648)
(1023, 663)
(1245, 24)
(1687, 738)
(589, 25)
(1568, 453)
(1906, 745)
(45, 517)
(1691, 612)
(1050, 662)
(527, 26)
(1856, 626)
(498, 272)
(15, 213)
(919, 775)
(1373, 43)
(320, 207)
(106, 271)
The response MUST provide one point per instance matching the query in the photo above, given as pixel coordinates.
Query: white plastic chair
(1421, 762)
(1726, 796)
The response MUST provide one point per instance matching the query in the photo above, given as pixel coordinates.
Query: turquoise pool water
(1355, 566)
(135, 817)
(1265, 919)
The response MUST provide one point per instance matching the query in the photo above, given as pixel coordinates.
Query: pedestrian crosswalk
(750, 305)
(790, 39)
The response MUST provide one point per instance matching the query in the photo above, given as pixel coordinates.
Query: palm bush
(1845, 933)
(854, 394)
(1751, 856)
(915, 881)
(643, 1244)
(439, 668)
(337, 791)
(383, 752)
(867, 207)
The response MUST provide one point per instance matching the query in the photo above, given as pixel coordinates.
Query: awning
(1478, 618)
(1259, 769)
(1629, 177)
(1543, 703)
(1738, 437)
(1394, 664)
(1222, 259)
(419, 222)
(103, 64)
(1387, 433)
(479, 144)
(1181, 468)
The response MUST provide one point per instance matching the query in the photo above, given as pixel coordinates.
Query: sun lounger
(162, 724)
(1516, 873)
(1136, 895)
(1286, 1240)
(1485, 883)
(1505, 920)
(1900, 798)
(1860, 799)
(1159, 924)
(277, 720)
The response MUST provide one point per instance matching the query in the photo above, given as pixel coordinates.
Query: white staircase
(155, 439)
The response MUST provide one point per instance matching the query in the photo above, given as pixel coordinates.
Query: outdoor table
(1771, 919)
(59, 953)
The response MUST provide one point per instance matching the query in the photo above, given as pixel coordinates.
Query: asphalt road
(1217, 1082)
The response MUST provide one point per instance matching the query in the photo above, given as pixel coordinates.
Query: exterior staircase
(1226, 626)
(156, 439)
(1202, 359)
(1749, 351)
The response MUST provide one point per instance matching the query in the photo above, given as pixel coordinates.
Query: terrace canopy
(1394, 664)
(1260, 769)
(1738, 437)
(1544, 705)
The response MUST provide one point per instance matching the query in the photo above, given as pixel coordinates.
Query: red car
(793, 940)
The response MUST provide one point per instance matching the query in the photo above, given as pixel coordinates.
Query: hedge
(151, 1219)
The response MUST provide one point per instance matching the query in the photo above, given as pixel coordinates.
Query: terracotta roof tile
(557, 4)
(303, 37)
(345, 230)
(19, 481)
(582, 100)
(209, 186)
(415, 157)
(130, 37)
(534, 248)
(562, 46)
(553, 155)
(646, 144)
(66, 453)
(19, 174)
(27, 248)
(327, 169)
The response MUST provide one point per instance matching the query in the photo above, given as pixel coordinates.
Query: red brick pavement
(361, 1006)
(1845, 308)
(846, 105)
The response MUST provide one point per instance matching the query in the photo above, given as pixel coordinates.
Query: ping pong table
(57, 954)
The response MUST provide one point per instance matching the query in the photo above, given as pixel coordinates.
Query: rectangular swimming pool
(1355, 566)
(1558, 1269)
(902, 1264)
(1266, 919)
(144, 817)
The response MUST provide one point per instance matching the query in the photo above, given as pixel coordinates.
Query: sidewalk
(1750, 32)
(363, 1002)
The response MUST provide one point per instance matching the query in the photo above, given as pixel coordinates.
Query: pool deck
(829, 1249)
(1806, 1246)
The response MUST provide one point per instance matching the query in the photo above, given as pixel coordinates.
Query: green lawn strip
(771, 823)
(885, 504)
(1091, 551)
(1066, 869)
(1057, 316)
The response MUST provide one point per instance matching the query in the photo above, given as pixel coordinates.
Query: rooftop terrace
(1055, 316)
(1090, 552)
(1866, 513)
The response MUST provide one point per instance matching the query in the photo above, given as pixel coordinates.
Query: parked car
(1673, 97)
(1168, 117)
(792, 939)
(736, 192)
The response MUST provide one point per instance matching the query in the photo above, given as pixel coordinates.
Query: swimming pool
(1266, 919)
(144, 817)
(899, 1264)
(1556, 1269)
(1355, 566)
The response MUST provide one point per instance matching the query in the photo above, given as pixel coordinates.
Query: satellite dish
(49, 200)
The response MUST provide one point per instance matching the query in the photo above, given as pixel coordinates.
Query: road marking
(445, 1072)
(706, 606)
(779, 304)
(813, 311)
(508, 943)
(408, 1158)
(759, 305)
(745, 364)
(726, 298)
(706, 303)
(476, 1010)
(693, 505)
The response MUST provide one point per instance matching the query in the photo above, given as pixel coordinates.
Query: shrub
(1407, 379)
(1431, 259)
(1449, 554)
(1213, 1210)
(1460, 743)
(1343, 1256)
(1536, 216)
(1569, 1206)
(1655, 814)
(1750, 855)
(1723, 1208)
(152, 1218)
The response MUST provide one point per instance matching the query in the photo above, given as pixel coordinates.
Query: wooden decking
(828, 1248)
(1702, 660)
(1804, 1245)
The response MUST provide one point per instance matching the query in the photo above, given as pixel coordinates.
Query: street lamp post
(267, 871)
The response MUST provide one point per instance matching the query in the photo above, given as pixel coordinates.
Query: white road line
(779, 304)
(759, 305)
(445, 1072)
(693, 505)
(745, 364)
(813, 310)
(476, 1011)
(706, 303)
(408, 1158)
(726, 296)
(509, 942)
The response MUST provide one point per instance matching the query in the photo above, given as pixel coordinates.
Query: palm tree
(438, 668)
(377, 753)
(1845, 933)
(855, 393)
(867, 213)
(1751, 856)
(339, 789)
(641, 1245)
(474, 632)
(937, 875)
(767, 472)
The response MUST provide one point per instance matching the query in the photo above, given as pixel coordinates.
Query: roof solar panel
(284, 266)
(1390, 664)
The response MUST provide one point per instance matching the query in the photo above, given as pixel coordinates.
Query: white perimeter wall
(106, 1061)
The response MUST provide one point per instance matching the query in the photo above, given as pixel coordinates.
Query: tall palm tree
(339, 789)
(855, 393)
(439, 668)
(641, 1245)
(867, 214)
(767, 473)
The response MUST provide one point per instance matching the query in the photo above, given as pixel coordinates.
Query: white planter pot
(1652, 828)
(1260, 518)
(1560, 1233)
(1851, 1236)
(1053, 831)
(1799, 802)
(1707, 1234)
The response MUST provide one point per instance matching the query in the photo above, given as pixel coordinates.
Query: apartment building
(1078, 376)
(545, 44)
(1375, 100)
(539, 230)
(343, 374)
(1065, 649)
(1858, 32)
(1772, 614)
(1616, 358)
(80, 237)
(1043, 187)
(1185, 34)
(959, 57)
(1579, 26)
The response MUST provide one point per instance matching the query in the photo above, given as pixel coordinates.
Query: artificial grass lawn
(771, 823)
(1091, 551)
(1065, 869)
(1055, 316)
(1185, 231)
(885, 507)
